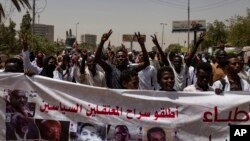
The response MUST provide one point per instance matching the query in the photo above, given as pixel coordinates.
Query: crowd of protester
(171, 71)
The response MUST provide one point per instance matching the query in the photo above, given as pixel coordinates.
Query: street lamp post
(76, 30)
(188, 40)
(162, 37)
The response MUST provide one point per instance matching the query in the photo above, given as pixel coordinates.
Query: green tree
(8, 42)
(18, 4)
(25, 27)
(87, 46)
(36, 42)
(239, 30)
(174, 48)
(216, 34)
(41, 43)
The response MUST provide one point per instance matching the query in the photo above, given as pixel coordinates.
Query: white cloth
(34, 62)
(155, 63)
(196, 88)
(32, 68)
(191, 78)
(218, 85)
(28, 66)
(66, 74)
(245, 75)
(180, 78)
(98, 80)
(148, 78)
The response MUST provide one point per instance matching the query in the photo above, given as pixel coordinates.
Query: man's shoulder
(190, 88)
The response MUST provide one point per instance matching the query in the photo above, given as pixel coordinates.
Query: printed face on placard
(89, 133)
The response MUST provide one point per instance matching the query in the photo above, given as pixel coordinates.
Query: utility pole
(34, 15)
(162, 37)
(33, 21)
(188, 41)
(76, 30)
(38, 18)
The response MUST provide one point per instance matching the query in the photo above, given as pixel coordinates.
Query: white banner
(38, 108)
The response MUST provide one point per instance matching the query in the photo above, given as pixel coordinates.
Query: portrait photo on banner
(19, 120)
(84, 131)
(124, 133)
(156, 133)
(53, 130)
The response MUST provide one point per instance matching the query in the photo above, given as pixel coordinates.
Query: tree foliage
(87, 46)
(11, 45)
(236, 32)
(18, 5)
(216, 34)
(239, 30)
(174, 48)
(8, 42)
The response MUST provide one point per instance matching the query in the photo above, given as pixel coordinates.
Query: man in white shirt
(89, 74)
(49, 67)
(147, 76)
(180, 66)
(232, 81)
(203, 74)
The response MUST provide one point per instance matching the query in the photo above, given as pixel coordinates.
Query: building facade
(45, 30)
(89, 39)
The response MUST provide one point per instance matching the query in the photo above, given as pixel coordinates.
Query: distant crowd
(123, 69)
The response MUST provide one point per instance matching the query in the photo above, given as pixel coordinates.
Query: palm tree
(17, 4)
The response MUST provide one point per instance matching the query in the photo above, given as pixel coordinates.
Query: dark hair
(15, 93)
(229, 56)
(32, 56)
(45, 125)
(46, 70)
(218, 52)
(46, 60)
(162, 70)
(126, 75)
(152, 54)
(204, 66)
(155, 129)
(75, 50)
(177, 56)
(15, 61)
(66, 57)
(100, 132)
(248, 61)
(121, 50)
(85, 125)
(123, 126)
(125, 129)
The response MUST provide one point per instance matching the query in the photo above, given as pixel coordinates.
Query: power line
(210, 4)
(214, 6)
(182, 5)
(171, 5)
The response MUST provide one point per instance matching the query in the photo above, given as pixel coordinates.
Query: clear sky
(129, 16)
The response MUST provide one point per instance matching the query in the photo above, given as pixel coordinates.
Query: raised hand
(202, 35)
(140, 38)
(145, 61)
(154, 39)
(24, 42)
(29, 73)
(98, 52)
(105, 36)
(123, 47)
